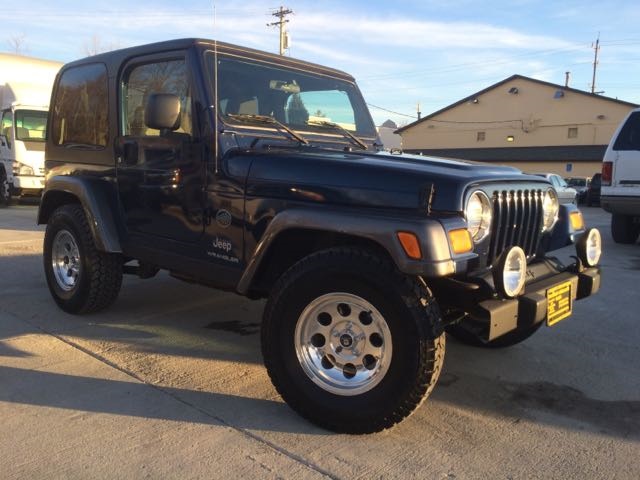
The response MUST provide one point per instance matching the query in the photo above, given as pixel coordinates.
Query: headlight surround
(550, 209)
(589, 247)
(22, 169)
(478, 214)
(510, 272)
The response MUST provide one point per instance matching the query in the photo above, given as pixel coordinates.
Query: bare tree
(95, 46)
(17, 44)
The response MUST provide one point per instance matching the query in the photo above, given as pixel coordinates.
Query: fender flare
(380, 228)
(98, 198)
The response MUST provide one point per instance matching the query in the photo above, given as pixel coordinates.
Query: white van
(620, 194)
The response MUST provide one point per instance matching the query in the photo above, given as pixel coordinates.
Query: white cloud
(419, 34)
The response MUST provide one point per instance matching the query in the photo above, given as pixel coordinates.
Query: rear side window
(629, 137)
(80, 107)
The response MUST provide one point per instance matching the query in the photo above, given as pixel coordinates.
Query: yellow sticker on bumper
(558, 303)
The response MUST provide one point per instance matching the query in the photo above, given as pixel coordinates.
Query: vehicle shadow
(142, 400)
(539, 401)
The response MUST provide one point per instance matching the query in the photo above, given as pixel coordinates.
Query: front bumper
(28, 182)
(495, 317)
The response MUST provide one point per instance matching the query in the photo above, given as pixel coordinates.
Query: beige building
(533, 125)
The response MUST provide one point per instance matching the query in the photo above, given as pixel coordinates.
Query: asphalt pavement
(169, 383)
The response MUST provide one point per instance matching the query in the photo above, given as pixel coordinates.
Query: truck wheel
(5, 188)
(623, 230)
(350, 343)
(81, 279)
(466, 336)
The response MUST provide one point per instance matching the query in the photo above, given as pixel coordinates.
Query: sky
(402, 53)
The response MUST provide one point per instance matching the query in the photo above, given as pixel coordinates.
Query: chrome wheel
(65, 260)
(343, 344)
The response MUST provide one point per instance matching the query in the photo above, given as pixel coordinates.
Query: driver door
(160, 173)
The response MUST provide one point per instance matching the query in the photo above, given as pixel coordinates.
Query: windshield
(577, 182)
(31, 125)
(303, 101)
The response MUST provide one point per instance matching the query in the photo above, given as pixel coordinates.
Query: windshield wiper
(249, 117)
(341, 129)
(89, 146)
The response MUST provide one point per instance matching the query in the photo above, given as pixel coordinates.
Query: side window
(629, 137)
(80, 107)
(140, 81)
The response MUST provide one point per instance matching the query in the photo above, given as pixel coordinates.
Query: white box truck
(25, 91)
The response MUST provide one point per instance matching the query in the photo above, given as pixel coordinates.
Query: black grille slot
(517, 220)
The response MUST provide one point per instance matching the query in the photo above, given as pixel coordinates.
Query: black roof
(117, 57)
(575, 153)
(509, 79)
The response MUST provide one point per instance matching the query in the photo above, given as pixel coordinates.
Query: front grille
(517, 220)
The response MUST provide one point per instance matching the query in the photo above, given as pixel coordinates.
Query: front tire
(5, 189)
(623, 230)
(81, 279)
(350, 343)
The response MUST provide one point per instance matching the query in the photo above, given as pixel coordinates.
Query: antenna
(216, 152)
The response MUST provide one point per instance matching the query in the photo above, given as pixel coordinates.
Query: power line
(390, 111)
(461, 66)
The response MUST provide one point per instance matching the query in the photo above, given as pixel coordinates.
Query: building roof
(573, 153)
(509, 79)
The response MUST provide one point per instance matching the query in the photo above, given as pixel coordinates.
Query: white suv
(620, 193)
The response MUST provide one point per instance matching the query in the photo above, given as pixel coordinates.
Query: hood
(381, 180)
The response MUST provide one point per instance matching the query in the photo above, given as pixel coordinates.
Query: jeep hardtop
(263, 175)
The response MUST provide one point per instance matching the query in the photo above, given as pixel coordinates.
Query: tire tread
(103, 270)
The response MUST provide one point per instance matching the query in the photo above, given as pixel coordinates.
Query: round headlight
(589, 247)
(478, 214)
(510, 272)
(550, 209)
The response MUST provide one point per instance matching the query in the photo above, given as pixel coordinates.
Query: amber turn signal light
(460, 240)
(410, 244)
(577, 222)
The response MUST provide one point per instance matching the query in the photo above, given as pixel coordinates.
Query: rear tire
(350, 343)
(623, 230)
(81, 279)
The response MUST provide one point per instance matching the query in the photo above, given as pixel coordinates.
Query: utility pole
(281, 14)
(596, 48)
(418, 111)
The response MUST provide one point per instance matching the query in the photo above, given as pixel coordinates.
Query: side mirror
(4, 141)
(162, 111)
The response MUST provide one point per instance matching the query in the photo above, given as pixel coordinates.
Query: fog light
(510, 272)
(589, 247)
